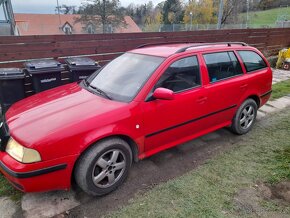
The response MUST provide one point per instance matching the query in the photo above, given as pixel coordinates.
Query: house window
(67, 29)
(91, 29)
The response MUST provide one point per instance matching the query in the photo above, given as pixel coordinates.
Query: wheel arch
(133, 145)
(256, 99)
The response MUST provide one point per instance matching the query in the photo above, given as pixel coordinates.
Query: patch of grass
(262, 156)
(6, 189)
(280, 89)
(265, 18)
(281, 166)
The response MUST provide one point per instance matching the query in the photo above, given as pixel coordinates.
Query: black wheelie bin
(81, 67)
(11, 87)
(45, 74)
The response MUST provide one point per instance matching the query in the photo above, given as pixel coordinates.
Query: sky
(48, 7)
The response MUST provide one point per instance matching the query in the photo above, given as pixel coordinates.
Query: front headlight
(22, 154)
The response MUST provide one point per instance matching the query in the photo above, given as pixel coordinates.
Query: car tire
(245, 117)
(103, 167)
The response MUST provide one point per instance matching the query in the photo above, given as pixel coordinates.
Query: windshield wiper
(99, 91)
(86, 82)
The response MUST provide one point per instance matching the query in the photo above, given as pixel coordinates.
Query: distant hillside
(266, 18)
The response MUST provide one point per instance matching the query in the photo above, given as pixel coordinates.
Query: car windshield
(123, 77)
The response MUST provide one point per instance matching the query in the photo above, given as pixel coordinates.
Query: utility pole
(248, 8)
(220, 17)
(58, 11)
(191, 14)
(104, 15)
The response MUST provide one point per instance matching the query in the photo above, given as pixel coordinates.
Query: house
(54, 24)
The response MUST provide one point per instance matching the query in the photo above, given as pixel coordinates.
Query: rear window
(222, 65)
(252, 60)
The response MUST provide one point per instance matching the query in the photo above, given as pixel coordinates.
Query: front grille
(4, 134)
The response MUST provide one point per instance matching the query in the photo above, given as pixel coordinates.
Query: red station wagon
(145, 101)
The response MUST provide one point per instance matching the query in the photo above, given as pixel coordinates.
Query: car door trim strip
(188, 122)
(267, 93)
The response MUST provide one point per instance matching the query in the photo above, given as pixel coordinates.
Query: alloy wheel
(109, 168)
(247, 117)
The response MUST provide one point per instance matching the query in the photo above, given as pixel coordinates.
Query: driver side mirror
(163, 94)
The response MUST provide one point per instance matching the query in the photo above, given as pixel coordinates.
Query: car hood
(43, 114)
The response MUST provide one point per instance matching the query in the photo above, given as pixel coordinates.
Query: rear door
(225, 85)
(168, 122)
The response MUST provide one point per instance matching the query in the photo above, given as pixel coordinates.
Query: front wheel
(103, 167)
(245, 117)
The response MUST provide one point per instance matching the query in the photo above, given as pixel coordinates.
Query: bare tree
(102, 13)
(231, 10)
(66, 9)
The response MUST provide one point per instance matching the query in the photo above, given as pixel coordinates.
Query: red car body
(63, 122)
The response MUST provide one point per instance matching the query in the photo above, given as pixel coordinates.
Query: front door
(169, 122)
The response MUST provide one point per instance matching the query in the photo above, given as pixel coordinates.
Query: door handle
(201, 100)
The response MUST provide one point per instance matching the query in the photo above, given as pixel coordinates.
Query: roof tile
(51, 24)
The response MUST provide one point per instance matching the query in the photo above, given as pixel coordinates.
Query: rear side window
(222, 65)
(252, 60)
(181, 75)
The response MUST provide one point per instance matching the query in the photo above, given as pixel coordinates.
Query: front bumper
(38, 177)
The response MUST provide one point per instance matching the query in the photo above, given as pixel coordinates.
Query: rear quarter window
(252, 61)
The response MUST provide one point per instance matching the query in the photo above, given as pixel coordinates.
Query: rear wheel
(103, 167)
(245, 117)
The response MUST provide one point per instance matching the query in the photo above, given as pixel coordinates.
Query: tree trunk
(104, 16)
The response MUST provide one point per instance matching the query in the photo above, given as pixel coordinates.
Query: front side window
(123, 77)
(222, 65)
(252, 60)
(181, 75)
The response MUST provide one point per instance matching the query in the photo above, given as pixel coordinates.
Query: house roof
(51, 24)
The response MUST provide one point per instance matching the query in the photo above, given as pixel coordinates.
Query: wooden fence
(15, 50)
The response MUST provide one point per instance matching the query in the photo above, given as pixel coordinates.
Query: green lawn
(280, 89)
(7, 190)
(262, 156)
(265, 18)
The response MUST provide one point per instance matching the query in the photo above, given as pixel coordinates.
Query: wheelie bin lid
(11, 73)
(43, 66)
(81, 63)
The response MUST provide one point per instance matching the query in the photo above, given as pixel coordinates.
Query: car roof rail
(165, 43)
(212, 43)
